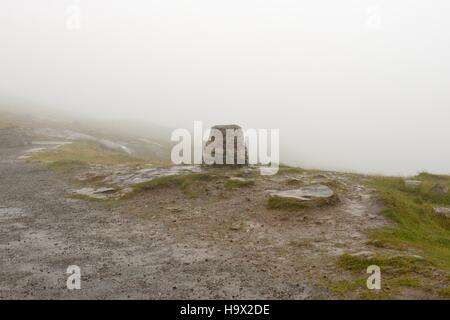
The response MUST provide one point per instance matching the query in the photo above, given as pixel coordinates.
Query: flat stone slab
(363, 254)
(308, 193)
(413, 184)
(129, 178)
(101, 193)
(443, 211)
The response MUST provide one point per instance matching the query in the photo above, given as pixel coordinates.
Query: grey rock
(239, 179)
(128, 177)
(442, 211)
(101, 193)
(439, 189)
(363, 254)
(413, 184)
(104, 190)
(308, 193)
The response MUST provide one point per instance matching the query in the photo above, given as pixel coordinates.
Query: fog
(352, 85)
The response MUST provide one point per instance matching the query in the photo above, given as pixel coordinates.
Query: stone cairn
(240, 158)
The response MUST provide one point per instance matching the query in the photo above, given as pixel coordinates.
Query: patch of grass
(375, 295)
(415, 223)
(396, 273)
(285, 203)
(289, 204)
(424, 193)
(406, 282)
(357, 288)
(84, 152)
(67, 164)
(398, 265)
(284, 169)
(383, 243)
(445, 293)
(236, 184)
(425, 176)
(343, 287)
(183, 181)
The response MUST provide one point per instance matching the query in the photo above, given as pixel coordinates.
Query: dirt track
(144, 249)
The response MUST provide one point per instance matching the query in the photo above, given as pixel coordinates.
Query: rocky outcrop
(13, 137)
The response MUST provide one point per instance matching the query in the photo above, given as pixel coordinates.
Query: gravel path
(122, 255)
(42, 233)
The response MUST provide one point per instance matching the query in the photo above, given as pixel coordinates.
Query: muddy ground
(165, 243)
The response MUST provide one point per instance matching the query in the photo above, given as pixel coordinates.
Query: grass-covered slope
(416, 225)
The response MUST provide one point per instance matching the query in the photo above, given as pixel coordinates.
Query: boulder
(413, 184)
(442, 211)
(439, 189)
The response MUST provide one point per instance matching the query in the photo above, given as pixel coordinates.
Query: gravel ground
(139, 250)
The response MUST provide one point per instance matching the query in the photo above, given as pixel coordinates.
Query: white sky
(352, 85)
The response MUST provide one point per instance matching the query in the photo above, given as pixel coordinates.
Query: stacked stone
(230, 146)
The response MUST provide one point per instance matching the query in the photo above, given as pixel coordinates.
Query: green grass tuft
(398, 265)
(285, 203)
(186, 182)
(67, 164)
(275, 202)
(445, 293)
(406, 282)
(236, 184)
(344, 287)
(284, 169)
(375, 295)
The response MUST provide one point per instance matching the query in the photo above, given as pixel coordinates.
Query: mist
(359, 86)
